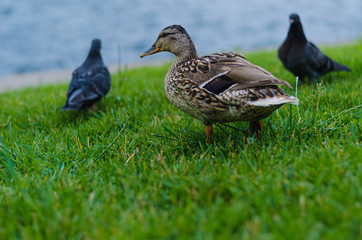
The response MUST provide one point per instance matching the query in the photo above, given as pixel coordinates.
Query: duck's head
(173, 39)
(293, 18)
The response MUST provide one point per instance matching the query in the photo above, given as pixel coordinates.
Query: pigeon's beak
(150, 51)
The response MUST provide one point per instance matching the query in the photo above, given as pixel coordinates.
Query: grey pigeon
(90, 82)
(303, 58)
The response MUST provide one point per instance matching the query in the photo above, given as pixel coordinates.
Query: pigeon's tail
(329, 66)
(68, 108)
(80, 99)
(339, 67)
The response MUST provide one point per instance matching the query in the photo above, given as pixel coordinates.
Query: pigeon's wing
(283, 51)
(74, 83)
(317, 60)
(96, 81)
(320, 62)
(87, 86)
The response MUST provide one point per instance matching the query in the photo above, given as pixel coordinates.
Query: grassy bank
(139, 168)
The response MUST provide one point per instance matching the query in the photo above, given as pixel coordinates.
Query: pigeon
(90, 82)
(303, 58)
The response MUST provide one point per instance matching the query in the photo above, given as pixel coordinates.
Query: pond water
(42, 35)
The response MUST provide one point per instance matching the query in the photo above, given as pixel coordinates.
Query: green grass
(139, 168)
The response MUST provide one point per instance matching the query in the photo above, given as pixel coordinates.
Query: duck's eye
(163, 35)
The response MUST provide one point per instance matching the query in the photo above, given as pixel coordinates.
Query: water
(38, 35)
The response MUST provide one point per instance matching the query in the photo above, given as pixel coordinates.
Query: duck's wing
(220, 71)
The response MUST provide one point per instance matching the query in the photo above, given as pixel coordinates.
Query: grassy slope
(302, 180)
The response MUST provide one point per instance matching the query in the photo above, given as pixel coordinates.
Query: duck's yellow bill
(150, 51)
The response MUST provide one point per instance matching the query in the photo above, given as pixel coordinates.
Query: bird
(303, 58)
(220, 87)
(90, 82)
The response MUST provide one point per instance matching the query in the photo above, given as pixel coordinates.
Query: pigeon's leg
(311, 80)
(209, 133)
(93, 107)
(255, 128)
(301, 79)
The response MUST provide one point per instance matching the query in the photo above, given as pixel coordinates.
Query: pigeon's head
(172, 39)
(96, 44)
(95, 50)
(294, 18)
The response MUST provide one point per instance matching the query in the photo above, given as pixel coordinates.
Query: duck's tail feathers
(265, 102)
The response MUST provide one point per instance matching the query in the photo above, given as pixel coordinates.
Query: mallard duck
(90, 82)
(303, 58)
(218, 88)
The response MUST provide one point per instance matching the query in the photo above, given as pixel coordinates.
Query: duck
(302, 58)
(220, 87)
(90, 82)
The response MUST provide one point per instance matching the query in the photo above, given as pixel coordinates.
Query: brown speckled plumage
(221, 87)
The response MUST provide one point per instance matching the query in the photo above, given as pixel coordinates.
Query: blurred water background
(37, 35)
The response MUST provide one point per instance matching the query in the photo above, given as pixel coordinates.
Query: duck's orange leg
(255, 128)
(209, 133)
